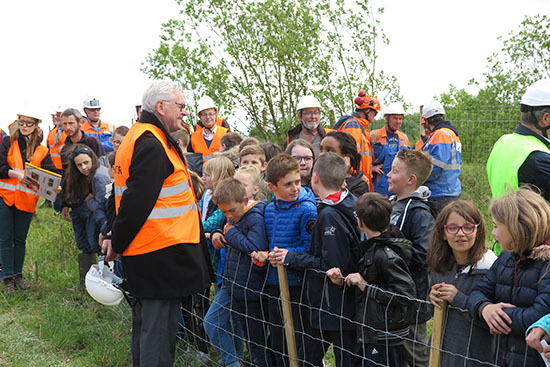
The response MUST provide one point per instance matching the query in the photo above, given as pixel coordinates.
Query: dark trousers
(86, 231)
(252, 315)
(14, 226)
(300, 313)
(344, 343)
(154, 326)
(381, 355)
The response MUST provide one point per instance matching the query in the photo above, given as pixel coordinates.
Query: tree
(258, 58)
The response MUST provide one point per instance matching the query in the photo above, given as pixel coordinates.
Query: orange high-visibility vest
(14, 192)
(199, 145)
(104, 127)
(56, 146)
(362, 140)
(175, 217)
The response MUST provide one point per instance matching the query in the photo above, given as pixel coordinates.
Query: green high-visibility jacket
(507, 156)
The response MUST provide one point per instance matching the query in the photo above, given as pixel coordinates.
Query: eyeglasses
(181, 106)
(26, 123)
(311, 113)
(466, 228)
(306, 158)
(209, 114)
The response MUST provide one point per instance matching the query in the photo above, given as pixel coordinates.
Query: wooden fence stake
(287, 316)
(437, 334)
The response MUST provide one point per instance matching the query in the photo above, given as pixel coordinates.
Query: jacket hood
(541, 252)
(394, 239)
(422, 193)
(305, 195)
(446, 124)
(346, 205)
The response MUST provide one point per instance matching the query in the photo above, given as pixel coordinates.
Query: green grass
(53, 324)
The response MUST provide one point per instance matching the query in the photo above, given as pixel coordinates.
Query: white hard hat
(91, 103)
(394, 109)
(538, 94)
(431, 109)
(100, 286)
(32, 115)
(308, 102)
(205, 103)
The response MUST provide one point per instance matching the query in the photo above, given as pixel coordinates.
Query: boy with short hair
(253, 155)
(334, 244)
(414, 216)
(242, 282)
(384, 284)
(288, 223)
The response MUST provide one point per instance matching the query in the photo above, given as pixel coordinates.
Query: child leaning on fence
(334, 244)
(385, 288)
(242, 280)
(515, 292)
(458, 259)
(413, 216)
(289, 220)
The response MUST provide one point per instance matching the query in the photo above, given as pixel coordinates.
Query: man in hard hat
(445, 148)
(367, 107)
(157, 227)
(56, 138)
(308, 112)
(385, 143)
(207, 135)
(524, 155)
(93, 126)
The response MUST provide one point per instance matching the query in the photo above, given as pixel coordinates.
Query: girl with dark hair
(458, 259)
(83, 191)
(18, 198)
(344, 145)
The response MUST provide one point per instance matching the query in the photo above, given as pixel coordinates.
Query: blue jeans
(223, 328)
(14, 226)
(86, 231)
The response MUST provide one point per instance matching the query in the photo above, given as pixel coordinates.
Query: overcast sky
(58, 52)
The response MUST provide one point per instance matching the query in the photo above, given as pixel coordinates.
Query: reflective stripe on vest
(446, 166)
(174, 218)
(506, 158)
(11, 190)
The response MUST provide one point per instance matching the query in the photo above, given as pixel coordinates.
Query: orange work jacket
(199, 144)
(362, 140)
(175, 217)
(14, 192)
(56, 146)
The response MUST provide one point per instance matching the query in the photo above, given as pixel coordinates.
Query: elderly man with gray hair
(157, 228)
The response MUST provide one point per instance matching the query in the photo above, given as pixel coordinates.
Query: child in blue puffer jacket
(289, 220)
(515, 292)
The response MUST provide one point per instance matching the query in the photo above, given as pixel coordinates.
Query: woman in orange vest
(19, 195)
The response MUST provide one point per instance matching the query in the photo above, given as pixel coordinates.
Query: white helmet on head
(100, 286)
(538, 94)
(308, 102)
(205, 103)
(431, 109)
(395, 108)
(91, 103)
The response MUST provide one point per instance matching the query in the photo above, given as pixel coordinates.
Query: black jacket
(536, 168)
(334, 243)
(173, 272)
(294, 133)
(385, 303)
(356, 184)
(5, 146)
(415, 219)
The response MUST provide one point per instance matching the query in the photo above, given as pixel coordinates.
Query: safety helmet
(394, 109)
(91, 103)
(31, 115)
(100, 286)
(538, 94)
(308, 102)
(364, 101)
(205, 103)
(431, 109)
